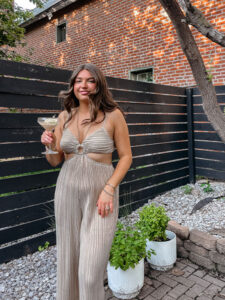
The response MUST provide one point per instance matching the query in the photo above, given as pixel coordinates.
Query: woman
(87, 192)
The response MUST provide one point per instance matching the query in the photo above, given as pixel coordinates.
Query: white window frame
(57, 28)
(133, 74)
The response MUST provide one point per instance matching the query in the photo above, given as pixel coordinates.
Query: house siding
(121, 35)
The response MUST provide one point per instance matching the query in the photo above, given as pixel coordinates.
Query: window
(143, 74)
(61, 32)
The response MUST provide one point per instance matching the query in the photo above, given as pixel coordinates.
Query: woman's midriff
(105, 158)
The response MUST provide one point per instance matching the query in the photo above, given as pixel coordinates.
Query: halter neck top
(98, 141)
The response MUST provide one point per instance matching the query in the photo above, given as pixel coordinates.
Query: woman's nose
(83, 84)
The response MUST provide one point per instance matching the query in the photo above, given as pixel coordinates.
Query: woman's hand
(105, 201)
(48, 138)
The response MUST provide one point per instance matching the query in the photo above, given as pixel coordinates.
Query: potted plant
(153, 222)
(126, 262)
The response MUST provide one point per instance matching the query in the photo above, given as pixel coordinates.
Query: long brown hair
(101, 100)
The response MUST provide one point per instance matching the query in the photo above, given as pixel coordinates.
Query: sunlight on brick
(111, 45)
(74, 13)
(158, 53)
(136, 11)
(106, 4)
(61, 59)
(123, 35)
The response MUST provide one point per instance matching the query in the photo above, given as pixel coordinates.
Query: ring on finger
(107, 208)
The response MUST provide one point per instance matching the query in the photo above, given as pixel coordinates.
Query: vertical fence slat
(191, 158)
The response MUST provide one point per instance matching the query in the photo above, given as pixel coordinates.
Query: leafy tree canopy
(11, 33)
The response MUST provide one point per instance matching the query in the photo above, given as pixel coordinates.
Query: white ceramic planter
(126, 284)
(166, 252)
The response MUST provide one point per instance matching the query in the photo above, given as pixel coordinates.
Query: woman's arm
(122, 142)
(53, 139)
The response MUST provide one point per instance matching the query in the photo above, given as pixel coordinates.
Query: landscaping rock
(180, 243)
(217, 257)
(188, 245)
(220, 246)
(182, 252)
(220, 268)
(202, 261)
(203, 239)
(181, 231)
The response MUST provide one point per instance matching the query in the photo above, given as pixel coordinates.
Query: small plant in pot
(126, 262)
(153, 223)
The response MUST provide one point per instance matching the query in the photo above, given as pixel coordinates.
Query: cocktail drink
(48, 124)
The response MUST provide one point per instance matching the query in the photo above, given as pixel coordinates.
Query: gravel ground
(30, 277)
(34, 277)
(210, 218)
(178, 205)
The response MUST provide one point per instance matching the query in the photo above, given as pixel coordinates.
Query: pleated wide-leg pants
(83, 237)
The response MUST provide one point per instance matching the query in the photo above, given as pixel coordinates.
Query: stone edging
(199, 247)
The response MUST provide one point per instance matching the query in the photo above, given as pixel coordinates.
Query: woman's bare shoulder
(62, 118)
(115, 113)
(63, 114)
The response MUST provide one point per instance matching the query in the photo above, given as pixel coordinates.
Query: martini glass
(48, 124)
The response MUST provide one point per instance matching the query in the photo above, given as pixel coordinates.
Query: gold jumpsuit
(83, 237)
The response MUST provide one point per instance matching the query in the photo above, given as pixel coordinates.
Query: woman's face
(84, 85)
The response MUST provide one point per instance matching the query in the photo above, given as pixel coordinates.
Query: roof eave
(49, 12)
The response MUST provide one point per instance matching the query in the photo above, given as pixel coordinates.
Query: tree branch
(196, 18)
(190, 48)
(183, 5)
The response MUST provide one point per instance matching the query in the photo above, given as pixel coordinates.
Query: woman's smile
(84, 92)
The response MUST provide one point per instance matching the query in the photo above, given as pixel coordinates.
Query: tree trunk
(196, 18)
(190, 48)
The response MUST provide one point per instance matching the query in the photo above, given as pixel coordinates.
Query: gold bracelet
(111, 185)
(108, 193)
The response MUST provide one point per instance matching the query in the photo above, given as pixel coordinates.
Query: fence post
(191, 154)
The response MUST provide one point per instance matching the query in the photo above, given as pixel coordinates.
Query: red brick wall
(121, 35)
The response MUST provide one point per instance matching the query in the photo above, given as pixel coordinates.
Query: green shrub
(187, 189)
(128, 247)
(199, 177)
(40, 248)
(153, 222)
(207, 187)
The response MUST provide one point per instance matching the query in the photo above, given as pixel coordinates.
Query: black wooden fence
(209, 150)
(157, 121)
